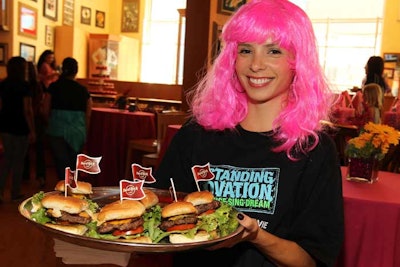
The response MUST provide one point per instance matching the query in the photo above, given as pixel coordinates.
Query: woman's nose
(257, 64)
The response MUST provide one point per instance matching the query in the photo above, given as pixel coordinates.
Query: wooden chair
(163, 120)
(150, 147)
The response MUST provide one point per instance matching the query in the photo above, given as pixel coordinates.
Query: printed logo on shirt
(247, 189)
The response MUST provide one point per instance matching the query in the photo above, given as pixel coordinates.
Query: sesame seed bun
(82, 188)
(119, 210)
(177, 208)
(71, 205)
(150, 198)
(199, 197)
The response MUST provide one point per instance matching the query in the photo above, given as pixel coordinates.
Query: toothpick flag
(88, 164)
(202, 173)
(69, 180)
(173, 189)
(131, 189)
(142, 173)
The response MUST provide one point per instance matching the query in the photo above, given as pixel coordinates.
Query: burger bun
(140, 239)
(178, 208)
(150, 199)
(119, 210)
(82, 188)
(77, 229)
(199, 197)
(201, 236)
(71, 205)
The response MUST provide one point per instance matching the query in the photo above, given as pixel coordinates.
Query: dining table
(371, 221)
(109, 132)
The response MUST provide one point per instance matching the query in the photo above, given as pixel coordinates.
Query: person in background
(47, 68)
(17, 128)
(68, 107)
(37, 105)
(256, 119)
(374, 74)
(372, 103)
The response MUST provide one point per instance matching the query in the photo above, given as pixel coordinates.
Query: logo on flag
(69, 178)
(131, 189)
(88, 164)
(142, 173)
(202, 172)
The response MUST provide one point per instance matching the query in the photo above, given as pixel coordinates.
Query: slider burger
(67, 214)
(150, 199)
(82, 190)
(179, 219)
(122, 220)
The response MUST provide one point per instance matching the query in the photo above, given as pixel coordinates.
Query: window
(347, 36)
(160, 43)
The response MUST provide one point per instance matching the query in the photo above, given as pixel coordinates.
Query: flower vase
(363, 170)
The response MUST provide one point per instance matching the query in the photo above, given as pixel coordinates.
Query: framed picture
(4, 15)
(50, 8)
(227, 7)
(49, 35)
(388, 73)
(68, 12)
(3, 53)
(216, 40)
(86, 15)
(27, 51)
(27, 20)
(100, 19)
(130, 16)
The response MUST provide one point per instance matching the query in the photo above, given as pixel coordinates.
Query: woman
(374, 74)
(17, 128)
(256, 121)
(67, 107)
(47, 68)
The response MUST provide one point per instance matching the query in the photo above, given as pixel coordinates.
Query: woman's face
(50, 58)
(264, 71)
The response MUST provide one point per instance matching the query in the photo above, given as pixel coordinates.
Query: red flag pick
(69, 178)
(142, 173)
(202, 173)
(88, 164)
(131, 190)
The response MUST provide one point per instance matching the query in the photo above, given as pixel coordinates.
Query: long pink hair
(218, 101)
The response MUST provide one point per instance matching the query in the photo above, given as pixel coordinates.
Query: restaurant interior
(142, 128)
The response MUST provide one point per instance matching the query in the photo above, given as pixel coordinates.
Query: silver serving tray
(105, 195)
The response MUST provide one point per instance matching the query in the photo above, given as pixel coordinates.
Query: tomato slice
(181, 227)
(207, 212)
(129, 232)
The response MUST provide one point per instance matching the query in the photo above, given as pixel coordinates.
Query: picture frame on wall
(227, 7)
(130, 16)
(27, 20)
(216, 40)
(68, 12)
(27, 51)
(50, 8)
(3, 53)
(49, 35)
(100, 19)
(86, 15)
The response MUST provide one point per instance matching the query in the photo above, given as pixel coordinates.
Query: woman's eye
(244, 51)
(275, 51)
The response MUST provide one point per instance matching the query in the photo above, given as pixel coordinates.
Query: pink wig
(219, 103)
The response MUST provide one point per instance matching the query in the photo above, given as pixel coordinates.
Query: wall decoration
(49, 36)
(130, 16)
(3, 53)
(4, 15)
(86, 15)
(27, 20)
(27, 51)
(50, 8)
(100, 19)
(227, 7)
(68, 12)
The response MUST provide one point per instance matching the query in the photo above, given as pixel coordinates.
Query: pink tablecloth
(110, 130)
(372, 222)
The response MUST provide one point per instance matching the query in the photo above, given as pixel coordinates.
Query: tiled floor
(24, 244)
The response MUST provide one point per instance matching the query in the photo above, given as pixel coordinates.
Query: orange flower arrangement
(374, 141)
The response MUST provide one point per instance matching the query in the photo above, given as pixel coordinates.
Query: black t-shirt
(296, 200)
(12, 116)
(68, 94)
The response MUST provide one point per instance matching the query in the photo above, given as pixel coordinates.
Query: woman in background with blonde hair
(372, 102)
